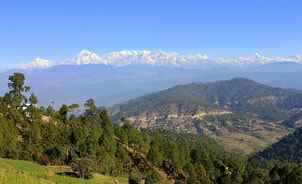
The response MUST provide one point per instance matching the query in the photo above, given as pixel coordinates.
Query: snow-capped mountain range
(158, 58)
(116, 77)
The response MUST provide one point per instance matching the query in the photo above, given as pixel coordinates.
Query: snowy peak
(87, 57)
(127, 57)
(161, 58)
(38, 63)
(259, 59)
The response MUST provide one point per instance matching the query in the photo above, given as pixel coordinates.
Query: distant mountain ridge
(239, 95)
(109, 84)
(160, 58)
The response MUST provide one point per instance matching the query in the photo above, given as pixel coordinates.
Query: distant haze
(90, 76)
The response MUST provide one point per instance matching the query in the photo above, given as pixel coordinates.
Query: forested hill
(287, 149)
(237, 95)
(89, 143)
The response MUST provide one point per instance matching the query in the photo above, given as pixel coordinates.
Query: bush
(82, 168)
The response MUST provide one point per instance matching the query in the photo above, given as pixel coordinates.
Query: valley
(246, 118)
(150, 92)
(236, 135)
(196, 133)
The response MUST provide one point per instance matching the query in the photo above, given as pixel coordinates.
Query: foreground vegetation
(89, 143)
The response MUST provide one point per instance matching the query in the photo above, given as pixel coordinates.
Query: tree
(155, 155)
(50, 110)
(8, 139)
(63, 113)
(90, 106)
(73, 107)
(33, 99)
(32, 111)
(17, 89)
(135, 138)
(72, 110)
(295, 176)
(14, 101)
(108, 143)
(257, 176)
(198, 175)
(108, 138)
(82, 168)
(173, 155)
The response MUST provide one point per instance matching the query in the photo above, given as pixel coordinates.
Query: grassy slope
(23, 172)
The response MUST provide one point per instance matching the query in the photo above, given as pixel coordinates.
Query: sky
(59, 29)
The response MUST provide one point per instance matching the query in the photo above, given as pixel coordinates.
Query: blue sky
(59, 29)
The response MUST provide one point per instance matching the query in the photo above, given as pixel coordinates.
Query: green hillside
(238, 95)
(70, 148)
(243, 115)
(24, 172)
